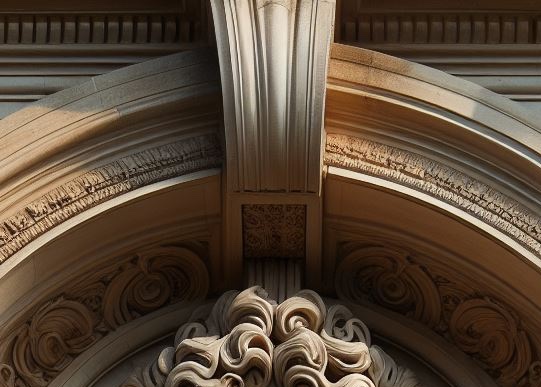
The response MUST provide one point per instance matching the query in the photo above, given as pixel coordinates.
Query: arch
(443, 173)
(108, 189)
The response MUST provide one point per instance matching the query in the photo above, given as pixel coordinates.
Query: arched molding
(421, 135)
(119, 132)
(439, 181)
(405, 103)
(417, 257)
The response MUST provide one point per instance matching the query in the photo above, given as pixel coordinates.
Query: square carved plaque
(274, 230)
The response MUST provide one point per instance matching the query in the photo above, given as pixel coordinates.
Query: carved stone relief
(445, 183)
(480, 325)
(274, 230)
(91, 306)
(247, 339)
(104, 183)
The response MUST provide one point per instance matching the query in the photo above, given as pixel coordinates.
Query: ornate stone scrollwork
(482, 327)
(32, 354)
(249, 340)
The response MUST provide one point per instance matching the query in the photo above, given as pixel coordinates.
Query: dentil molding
(247, 339)
(36, 348)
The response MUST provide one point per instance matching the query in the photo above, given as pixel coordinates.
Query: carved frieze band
(445, 183)
(477, 323)
(360, 26)
(249, 340)
(104, 183)
(93, 305)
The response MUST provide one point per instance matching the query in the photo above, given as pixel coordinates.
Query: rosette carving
(298, 342)
(31, 355)
(387, 277)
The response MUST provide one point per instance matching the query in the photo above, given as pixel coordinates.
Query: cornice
(439, 26)
(111, 28)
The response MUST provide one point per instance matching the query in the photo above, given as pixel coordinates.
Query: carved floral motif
(274, 230)
(32, 354)
(482, 327)
(250, 340)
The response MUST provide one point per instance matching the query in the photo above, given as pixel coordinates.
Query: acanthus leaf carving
(489, 332)
(389, 278)
(303, 343)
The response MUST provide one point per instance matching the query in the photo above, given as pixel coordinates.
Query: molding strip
(445, 183)
(438, 27)
(104, 183)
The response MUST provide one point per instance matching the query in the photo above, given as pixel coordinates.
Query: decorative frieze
(91, 306)
(247, 339)
(187, 25)
(438, 180)
(367, 27)
(104, 183)
(274, 230)
(477, 323)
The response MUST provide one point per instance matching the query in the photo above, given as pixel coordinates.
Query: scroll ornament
(480, 326)
(249, 340)
(61, 329)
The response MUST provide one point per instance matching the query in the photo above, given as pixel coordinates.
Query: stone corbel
(273, 60)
